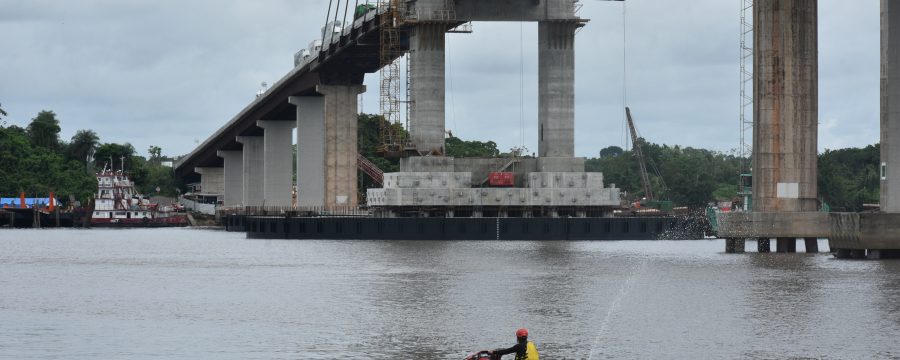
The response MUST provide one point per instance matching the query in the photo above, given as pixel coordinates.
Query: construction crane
(645, 177)
(649, 199)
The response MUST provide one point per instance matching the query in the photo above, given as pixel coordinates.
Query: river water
(207, 294)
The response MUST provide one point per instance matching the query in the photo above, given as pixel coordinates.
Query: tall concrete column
(890, 106)
(310, 150)
(211, 180)
(341, 148)
(556, 88)
(253, 165)
(427, 106)
(785, 116)
(278, 171)
(233, 176)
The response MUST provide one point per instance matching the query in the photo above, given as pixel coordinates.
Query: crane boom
(645, 177)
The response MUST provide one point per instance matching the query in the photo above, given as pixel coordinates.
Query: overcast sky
(170, 72)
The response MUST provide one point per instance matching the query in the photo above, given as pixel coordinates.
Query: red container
(502, 179)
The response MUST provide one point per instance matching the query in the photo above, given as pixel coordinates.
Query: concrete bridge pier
(785, 126)
(233, 176)
(427, 78)
(253, 167)
(278, 170)
(212, 179)
(310, 150)
(341, 147)
(556, 88)
(890, 107)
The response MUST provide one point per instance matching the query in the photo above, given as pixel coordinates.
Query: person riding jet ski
(524, 349)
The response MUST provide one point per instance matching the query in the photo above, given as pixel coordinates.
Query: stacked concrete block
(565, 180)
(559, 189)
(504, 197)
(428, 180)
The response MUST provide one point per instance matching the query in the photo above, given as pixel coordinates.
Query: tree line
(36, 161)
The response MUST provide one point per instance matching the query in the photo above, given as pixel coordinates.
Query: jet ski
(481, 355)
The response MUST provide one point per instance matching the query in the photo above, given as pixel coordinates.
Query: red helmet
(523, 332)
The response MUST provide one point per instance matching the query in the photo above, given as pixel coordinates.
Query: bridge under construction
(249, 158)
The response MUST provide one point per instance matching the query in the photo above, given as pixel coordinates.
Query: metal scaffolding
(392, 135)
(746, 106)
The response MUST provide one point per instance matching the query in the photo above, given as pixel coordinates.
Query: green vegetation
(849, 178)
(689, 176)
(459, 148)
(35, 160)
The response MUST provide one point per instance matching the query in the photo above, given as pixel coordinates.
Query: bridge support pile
(233, 176)
(785, 125)
(253, 168)
(278, 170)
(427, 98)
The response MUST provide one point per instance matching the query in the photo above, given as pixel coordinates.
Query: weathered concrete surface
(774, 225)
(890, 106)
(560, 164)
(233, 176)
(785, 126)
(878, 231)
(212, 180)
(561, 189)
(427, 98)
(556, 88)
(278, 170)
(495, 10)
(253, 165)
(310, 150)
(847, 231)
(481, 167)
(341, 146)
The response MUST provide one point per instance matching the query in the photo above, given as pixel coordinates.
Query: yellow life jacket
(531, 353)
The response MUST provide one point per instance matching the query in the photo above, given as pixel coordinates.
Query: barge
(373, 228)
